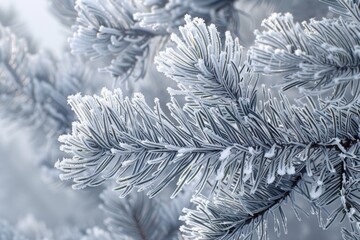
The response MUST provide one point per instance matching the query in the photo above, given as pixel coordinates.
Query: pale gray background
(46, 30)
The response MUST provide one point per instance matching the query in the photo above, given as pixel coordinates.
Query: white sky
(43, 26)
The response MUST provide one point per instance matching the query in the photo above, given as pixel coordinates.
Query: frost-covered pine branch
(234, 215)
(64, 10)
(169, 15)
(172, 142)
(137, 217)
(242, 158)
(122, 34)
(320, 57)
(350, 235)
(34, 87)
(211, 75)
(106, 30)
(224, 155)
(140, 133)
(346, 8)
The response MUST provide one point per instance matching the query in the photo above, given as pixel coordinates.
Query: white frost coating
(271, 152)
(336, 141)
(127, 163)
(343, 200)
(298, 52)
(267, 70)
(342, 156)
(57, 164)
(290, 170)
(245, 178)
(320, 182)
(270, 178)
(248, 168)
(289, 47)
(252, 151)
(330, 57)
(185, 150)
(281, 170)
(105, 92)
(225, 153)
(182, 151)
(63, 138)
(221, 171)
(125, 146)
(278, 51)
(288, 16)
(114, 151)
(316, 192)
(170, 147)
(212, 27)
(351, 212)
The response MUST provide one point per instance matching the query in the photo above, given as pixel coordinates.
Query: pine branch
(343, 187)
(246, 157)
(169, 15)
(140, 136)
(140, 147)
(336, 189)
(206, 70)
(251, 160)
(64, 11)
(236, 215)
(34, 86)
(240, 213)
(346, 8)
(350, 235)
(106, 30)
(321, 58)
(126, 140)
(140, 218)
